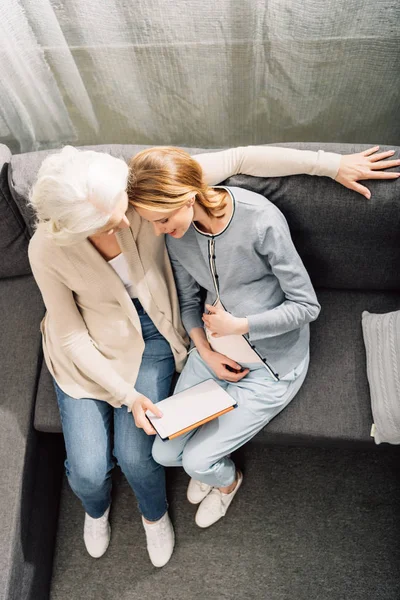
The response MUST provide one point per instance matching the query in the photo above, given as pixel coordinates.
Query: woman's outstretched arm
(272, 161)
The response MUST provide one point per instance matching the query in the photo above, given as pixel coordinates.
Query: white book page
(234, 347)
(191, 406)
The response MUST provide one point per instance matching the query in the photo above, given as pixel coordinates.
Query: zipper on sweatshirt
(214, 275)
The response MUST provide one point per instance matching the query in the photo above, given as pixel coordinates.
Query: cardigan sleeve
(73, 335)
(300, 305)
(267, 161)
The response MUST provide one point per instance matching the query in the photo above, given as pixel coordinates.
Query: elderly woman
(112, 334)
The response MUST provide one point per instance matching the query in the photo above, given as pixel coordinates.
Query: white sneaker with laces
(160, 540)
(197, 491)
(215, 505)
(96, 534)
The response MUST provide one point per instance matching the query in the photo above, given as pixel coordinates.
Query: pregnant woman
(234, 246)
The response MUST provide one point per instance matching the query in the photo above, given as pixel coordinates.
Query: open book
(187, 410)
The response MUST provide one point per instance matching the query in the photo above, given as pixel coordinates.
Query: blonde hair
(76, 192)
(165, 178)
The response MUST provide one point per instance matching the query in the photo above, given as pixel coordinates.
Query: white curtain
(198, 73)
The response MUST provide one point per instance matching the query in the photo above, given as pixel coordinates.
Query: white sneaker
(160, 540)
(197, 491)
(215, 505)
(96, 534)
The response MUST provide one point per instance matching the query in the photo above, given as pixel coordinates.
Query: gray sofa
(351, 249)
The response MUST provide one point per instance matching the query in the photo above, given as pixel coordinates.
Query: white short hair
(76, 192)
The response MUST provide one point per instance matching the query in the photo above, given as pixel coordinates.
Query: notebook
(187, 410)
(235, 347)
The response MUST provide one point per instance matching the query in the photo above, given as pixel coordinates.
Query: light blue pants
(203, 452)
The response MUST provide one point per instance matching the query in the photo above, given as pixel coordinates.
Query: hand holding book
(219, 322)
(139, 408)
(191, 408)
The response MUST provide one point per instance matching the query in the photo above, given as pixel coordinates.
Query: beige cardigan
(91, 332)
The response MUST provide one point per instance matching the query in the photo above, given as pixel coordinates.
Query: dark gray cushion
(13, 231)
(21, 310)
(334, 403)
(345, 241)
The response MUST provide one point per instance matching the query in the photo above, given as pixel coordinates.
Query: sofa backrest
(345, 241)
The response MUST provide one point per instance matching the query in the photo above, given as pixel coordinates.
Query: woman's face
(174, 223)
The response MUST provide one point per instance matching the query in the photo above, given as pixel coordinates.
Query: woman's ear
(192, 201)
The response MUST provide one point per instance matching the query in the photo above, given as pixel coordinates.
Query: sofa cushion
(21, 310)
(345, 241)
(333, 405)
(13, 231)
(382, 344)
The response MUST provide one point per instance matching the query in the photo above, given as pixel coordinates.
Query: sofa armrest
(21, 310)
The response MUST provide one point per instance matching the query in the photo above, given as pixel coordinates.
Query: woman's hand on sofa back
(365, 165)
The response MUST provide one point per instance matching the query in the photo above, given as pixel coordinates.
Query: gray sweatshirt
(259, 274)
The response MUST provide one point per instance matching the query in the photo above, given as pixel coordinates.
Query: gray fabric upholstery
(382, 344)
(13, 234)
(21, 309)
(44, 504)
(333, 405)
(345, 241)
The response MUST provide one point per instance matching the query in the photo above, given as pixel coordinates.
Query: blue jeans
(92, 449)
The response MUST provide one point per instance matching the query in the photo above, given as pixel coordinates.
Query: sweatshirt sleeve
(189, 294)
(300, 305)
(74, 337)
(267, 161)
